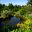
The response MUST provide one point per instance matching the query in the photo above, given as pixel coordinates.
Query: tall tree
(10, 6)
(1, 7)
(30, 2)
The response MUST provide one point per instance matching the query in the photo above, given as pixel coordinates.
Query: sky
(14, 2)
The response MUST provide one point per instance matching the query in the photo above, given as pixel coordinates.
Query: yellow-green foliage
(26, 24)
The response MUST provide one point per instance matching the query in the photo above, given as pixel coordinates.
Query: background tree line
(23, 10)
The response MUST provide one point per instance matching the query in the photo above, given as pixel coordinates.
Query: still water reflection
(12, 21)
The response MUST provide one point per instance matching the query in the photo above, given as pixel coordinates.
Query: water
(12, 21)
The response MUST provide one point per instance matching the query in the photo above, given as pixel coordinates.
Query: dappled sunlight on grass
(27, 24)
(27, 21)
